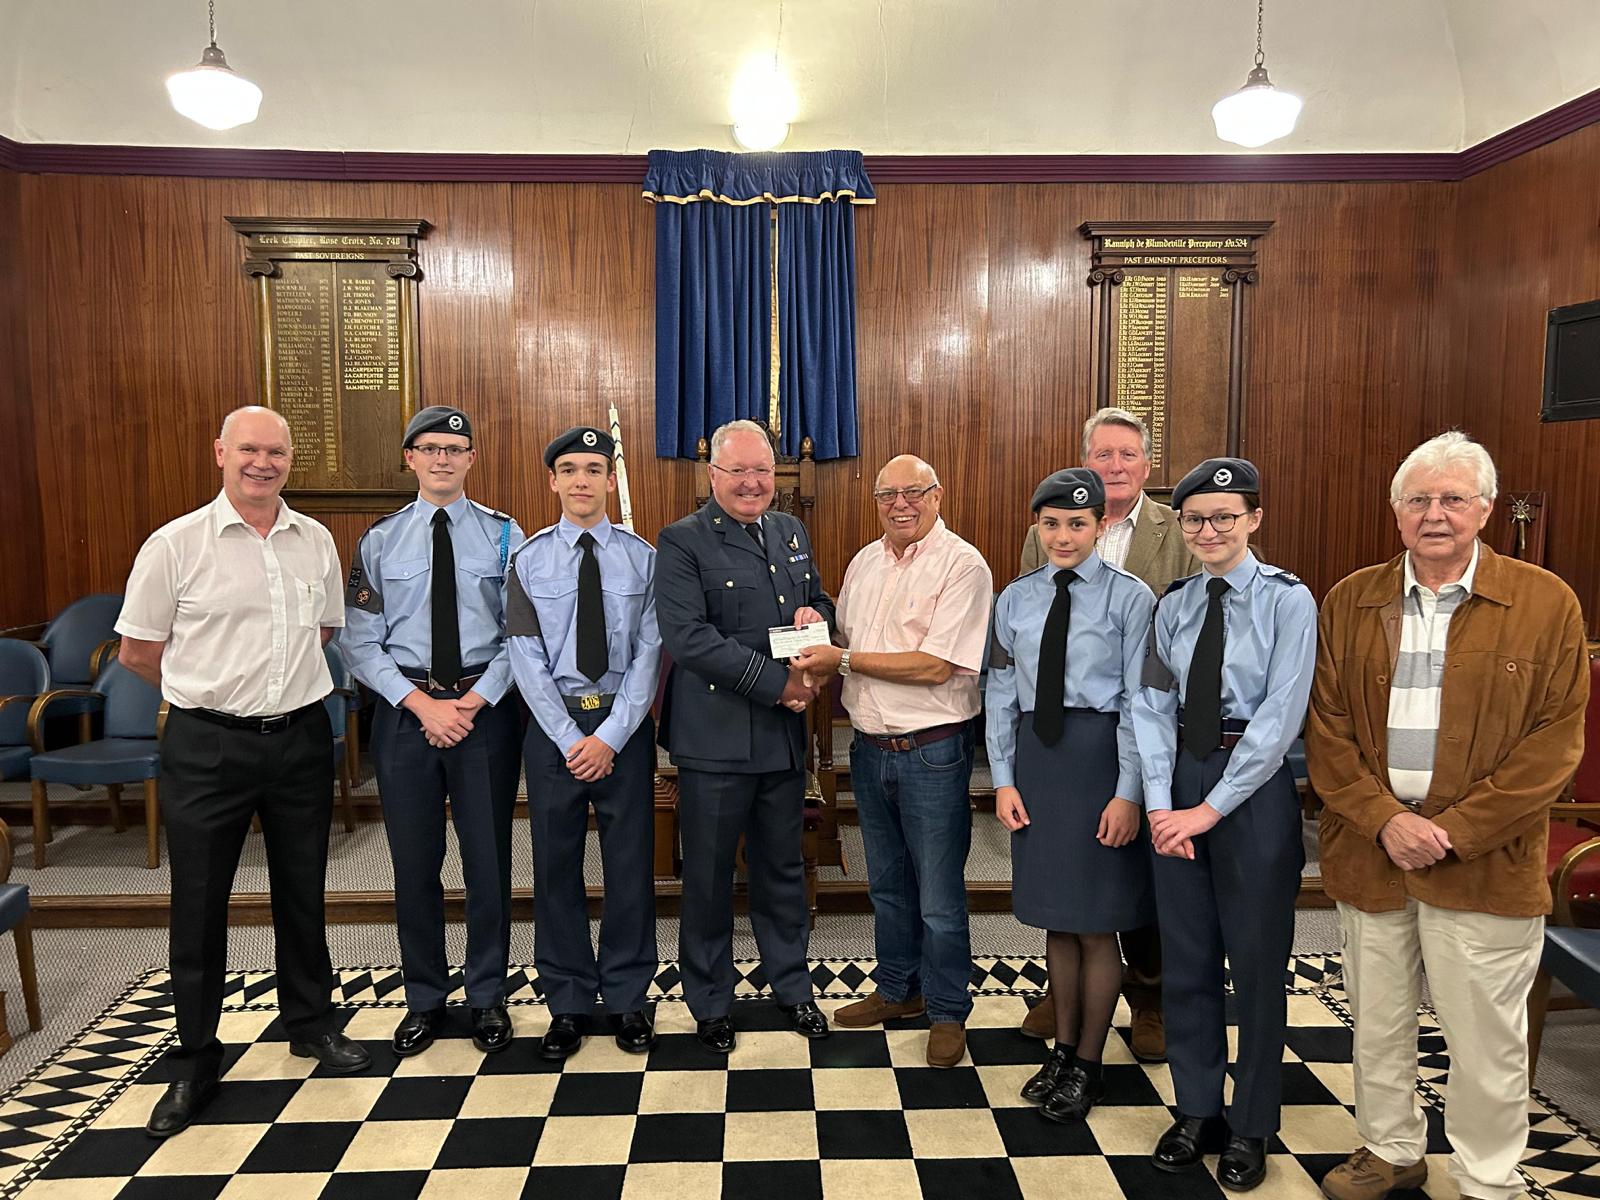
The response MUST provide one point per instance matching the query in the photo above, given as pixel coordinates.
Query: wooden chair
(15, 915)
(1571, 953)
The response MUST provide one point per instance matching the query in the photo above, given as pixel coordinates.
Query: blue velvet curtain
(715, 279)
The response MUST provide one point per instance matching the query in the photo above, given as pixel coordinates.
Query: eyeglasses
(450, 452)
(745, 472)
(1451, 503)
(887, 496)
(1221, 522)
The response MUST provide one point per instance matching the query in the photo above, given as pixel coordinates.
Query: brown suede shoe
(1041, 1020)
(947, 1043)
(1149, 1040)
(1365, 1176)
(875, 1010)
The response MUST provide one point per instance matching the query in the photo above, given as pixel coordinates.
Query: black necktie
(446, 627)
(755, 532)
(592, 654)
(1049, 695)
(1202, 702)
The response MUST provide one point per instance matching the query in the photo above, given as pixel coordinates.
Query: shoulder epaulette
(491, 512)
(1288, 577)
(1178, 583)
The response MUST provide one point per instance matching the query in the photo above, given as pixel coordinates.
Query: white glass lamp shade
(211, 94)
(762, 104)
(1257, 113)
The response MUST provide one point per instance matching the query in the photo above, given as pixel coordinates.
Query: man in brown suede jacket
(1446, 716)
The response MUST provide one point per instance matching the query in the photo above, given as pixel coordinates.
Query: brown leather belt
(910, 741)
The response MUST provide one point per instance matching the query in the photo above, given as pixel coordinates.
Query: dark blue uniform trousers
(1236, 899)
(714, 808)
(558, 816)
(479, 775)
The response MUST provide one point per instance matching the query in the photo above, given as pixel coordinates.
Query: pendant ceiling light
(1257, 113)
(210, 93)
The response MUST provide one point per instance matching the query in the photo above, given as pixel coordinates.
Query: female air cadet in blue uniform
(1224, 695)
(1067, 656)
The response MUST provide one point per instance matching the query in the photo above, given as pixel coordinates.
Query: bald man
(912, 618)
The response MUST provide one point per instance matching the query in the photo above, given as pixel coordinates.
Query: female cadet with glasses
(1225, 692)
(1067, 652)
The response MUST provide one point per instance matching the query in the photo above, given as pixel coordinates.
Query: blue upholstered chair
(79, 641)
(127, 753)
(1571, 954)
(339, 711)
(15, 917)
(24, 677)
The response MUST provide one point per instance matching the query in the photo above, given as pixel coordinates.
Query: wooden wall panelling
(22, 588)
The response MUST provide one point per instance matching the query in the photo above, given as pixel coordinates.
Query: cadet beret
(1217, 475)
(580, 439)
(437, 419)
(1075, 487)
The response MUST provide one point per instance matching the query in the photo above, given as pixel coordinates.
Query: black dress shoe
(806, 1019)
(563, 1039)
(1243, 1164)
(334, 1051)
(1074, 1096)
(415, 1032)
(1188, 1141)
(491, 1028)
(716, 1035)
(1049, 1077)
(634, 1032)
(180, 1104)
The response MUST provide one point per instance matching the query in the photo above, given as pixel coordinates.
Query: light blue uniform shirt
(389, 597)
(544, 658)
(1269, 650)
(1105, 653)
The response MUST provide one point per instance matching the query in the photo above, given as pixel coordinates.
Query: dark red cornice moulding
(44, 158)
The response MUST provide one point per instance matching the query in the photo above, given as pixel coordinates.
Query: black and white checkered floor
(859, 1114)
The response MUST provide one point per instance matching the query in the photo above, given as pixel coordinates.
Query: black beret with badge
(437, 419)
(1236, 475)
(581, 439)
(1074, 487)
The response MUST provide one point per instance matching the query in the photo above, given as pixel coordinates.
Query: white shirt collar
(1133, 514)
(224, 514)
(1464, 583)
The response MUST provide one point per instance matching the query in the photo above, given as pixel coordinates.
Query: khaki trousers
(1479, 968)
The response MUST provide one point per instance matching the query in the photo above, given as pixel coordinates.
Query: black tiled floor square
(1127, 1083)
(604, 1093)
(167, 1069)
(578, 1183)
(1319, 1043)
(772, 1180)
(103, 1152)
(1027, 1134)
(683, 1052)
(1141, 1181)
(365, 1185)
(521, 1057)
(963, 1178)
(758, 1016)
(249, 1102)
(421, 1098)
(1301, 1086)
(677, 1137)
(931, 1087)
(490, 1142)
(858, 1134)
(769, 1091)
(174, 1187)
(300, 1146)
(1437, 1142)
(851, 1048)
(1005, 1047)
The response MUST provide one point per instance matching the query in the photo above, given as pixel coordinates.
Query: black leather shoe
(1074, 1096)
(491, 1028)
(1243, 1164)
(334, 1051)
(806, 1020)
(1188, 1141)
(415, 1033)
(634, 1032)
(716, 1035)
(1049, 1077)
(563, 1039)
(180, 1104)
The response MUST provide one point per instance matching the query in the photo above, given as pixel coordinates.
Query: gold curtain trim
(764, 198)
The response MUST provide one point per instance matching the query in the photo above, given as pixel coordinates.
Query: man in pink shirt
(912, 619)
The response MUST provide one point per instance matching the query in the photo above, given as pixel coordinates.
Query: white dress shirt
(1117, 540)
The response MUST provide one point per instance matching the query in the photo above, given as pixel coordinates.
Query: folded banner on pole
(624, 500)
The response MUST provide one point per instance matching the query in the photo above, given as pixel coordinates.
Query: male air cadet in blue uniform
(581, 626)
(734, 723)
(425, 629)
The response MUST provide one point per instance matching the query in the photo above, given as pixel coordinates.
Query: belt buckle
(902, 742)
(273, 724)
(589, 703)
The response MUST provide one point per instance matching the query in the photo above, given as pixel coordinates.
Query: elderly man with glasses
(1446, 716)
(913, 613)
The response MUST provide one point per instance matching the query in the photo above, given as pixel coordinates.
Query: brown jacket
(1516, 681)
(1157, 554)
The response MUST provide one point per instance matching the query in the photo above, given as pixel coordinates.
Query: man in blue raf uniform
(735, 726)
(581, 626)
(425, 630)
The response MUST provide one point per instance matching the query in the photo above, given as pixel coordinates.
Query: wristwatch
(844, 663)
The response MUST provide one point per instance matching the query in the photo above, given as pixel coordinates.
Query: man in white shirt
(227, 611)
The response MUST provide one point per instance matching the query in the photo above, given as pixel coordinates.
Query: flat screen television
(1572, 364)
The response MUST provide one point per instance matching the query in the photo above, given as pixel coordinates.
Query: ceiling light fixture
(210, 93)
(1258, 112)
(762, 104)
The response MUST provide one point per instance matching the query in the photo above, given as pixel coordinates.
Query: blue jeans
(916, 823)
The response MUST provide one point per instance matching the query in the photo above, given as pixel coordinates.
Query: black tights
(1086, 974)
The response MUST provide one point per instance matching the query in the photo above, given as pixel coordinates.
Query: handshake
(810, 669)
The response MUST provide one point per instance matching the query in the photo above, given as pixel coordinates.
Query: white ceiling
(882, 76)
